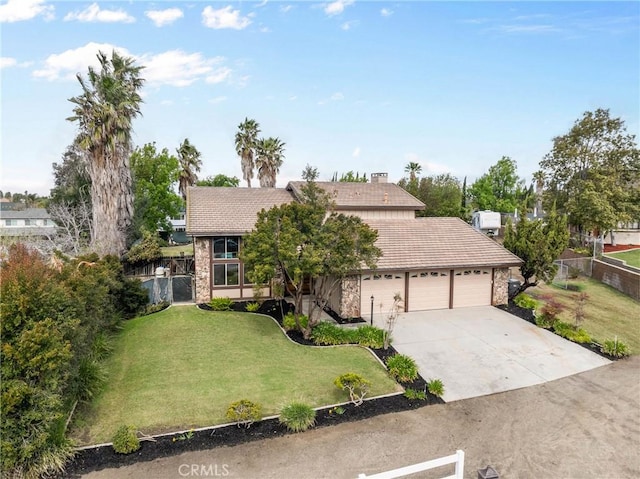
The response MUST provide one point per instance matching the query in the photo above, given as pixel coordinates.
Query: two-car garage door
(429, 289)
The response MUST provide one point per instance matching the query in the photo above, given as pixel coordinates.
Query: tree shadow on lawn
(101, 457)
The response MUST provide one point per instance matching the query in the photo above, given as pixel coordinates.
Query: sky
(367, 86)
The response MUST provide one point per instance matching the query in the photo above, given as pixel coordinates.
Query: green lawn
(632, 257)
(168, 251)
(181, 368)
(608, 312)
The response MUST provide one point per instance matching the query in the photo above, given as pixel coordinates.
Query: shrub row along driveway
(484, 350)
(586, 425)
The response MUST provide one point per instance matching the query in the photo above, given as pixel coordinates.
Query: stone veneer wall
(203, 269)
(350, 298)
(500, 286)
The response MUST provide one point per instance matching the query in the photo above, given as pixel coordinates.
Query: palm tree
(104, 111)
(269, 155)
(246, 140)
(414, 169)
(190, 164)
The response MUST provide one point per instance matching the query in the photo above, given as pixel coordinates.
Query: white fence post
(457, 459)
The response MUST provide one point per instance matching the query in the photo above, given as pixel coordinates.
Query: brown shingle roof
(425, 243)
(369, 196)
(229, 211)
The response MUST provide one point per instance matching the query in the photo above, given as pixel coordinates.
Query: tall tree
(246, 142)
(270, 152)
(413, 169)
(592, 173)
(109, 102)
(308, 246)
(219, 180)
(190, 164)
(155, 175)
(350, 177)
(538, 243)
(498, 189)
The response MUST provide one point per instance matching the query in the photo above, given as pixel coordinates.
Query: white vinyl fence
(457, 459)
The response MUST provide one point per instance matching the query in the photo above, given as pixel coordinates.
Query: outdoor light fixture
(371, 310)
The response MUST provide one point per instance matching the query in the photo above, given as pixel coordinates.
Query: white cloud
(262, 4)
(356, 152)
(225, 17)
(164, 17)
(178, 68)
(19, 10)
(7, 62)
(218, 99)
(93, 13)
(428, 167)
(173, 67)
(347, 25)
(166, 102)
(337, 7)
(337, 96)
(386, 12)
(65, 65)
(285, 8)
(293, 98)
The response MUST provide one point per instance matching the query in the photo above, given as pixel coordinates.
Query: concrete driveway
(484, 350)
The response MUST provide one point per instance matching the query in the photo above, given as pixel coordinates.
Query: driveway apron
(483, 350)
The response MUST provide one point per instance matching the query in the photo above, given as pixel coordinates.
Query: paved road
(582, 426)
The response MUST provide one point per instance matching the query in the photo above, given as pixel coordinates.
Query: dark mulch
(104, 457)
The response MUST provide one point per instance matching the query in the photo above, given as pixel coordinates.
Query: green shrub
(355, 385)
(570, 332)
(415, 394)
(615, 348)
(525, 301)
(244, 412)
(542, 321)
(435, 387)
(325, 333)
(339, 410)
(253, 307)
(289, 321)
(368, 336)
(402, 368)
(125, 440)
(154, 308)
(221, 304)
(146, 250)
(330, 334)
(298, 416)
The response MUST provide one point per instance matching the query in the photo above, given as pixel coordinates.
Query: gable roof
(27, 214)
(364, 196)
(219, 211)
(426, 243)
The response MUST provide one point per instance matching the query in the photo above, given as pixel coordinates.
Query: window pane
(219, 275)
(218, 247)
(232, 247)
(233, 274)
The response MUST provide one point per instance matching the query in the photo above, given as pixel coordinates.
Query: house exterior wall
(202, 252)
(500, 286)
(350, 297)
(380, 214)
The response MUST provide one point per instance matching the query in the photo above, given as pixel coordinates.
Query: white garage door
(429, 290)
(472, 287)
(382, 287)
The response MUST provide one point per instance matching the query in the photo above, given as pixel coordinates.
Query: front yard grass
(170, 251)
(608, 312)
(632, 257)
(181, 368)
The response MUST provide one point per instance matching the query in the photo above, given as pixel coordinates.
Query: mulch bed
(620, 247)
(97, 458)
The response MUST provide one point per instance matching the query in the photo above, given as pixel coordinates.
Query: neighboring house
(26, 222)
(625, 233)
(433, 263)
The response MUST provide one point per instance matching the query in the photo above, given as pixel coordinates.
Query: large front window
(226, 274)
(226, 247)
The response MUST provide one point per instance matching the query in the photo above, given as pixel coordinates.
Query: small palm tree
(270, 153)
(414, 169)
(190, 164)
(246, 141)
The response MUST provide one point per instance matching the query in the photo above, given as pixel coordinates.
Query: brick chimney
(379, 177)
